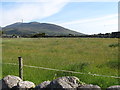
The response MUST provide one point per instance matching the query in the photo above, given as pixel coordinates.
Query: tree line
(100, 35)
(38, 35)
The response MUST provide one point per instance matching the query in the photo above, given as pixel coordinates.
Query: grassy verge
(87, 55)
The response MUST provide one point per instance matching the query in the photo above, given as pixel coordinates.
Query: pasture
(87, 55)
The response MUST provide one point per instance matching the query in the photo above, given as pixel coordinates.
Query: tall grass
(88, 55)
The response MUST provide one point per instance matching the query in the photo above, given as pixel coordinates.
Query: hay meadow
(86, 55)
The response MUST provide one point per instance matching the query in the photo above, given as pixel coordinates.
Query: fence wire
(64, 70)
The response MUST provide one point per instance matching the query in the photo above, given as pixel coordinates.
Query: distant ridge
(36, 27)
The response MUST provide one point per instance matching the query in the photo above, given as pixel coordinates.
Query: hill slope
(35, 27)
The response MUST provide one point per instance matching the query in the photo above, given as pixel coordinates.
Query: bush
(114, 45)
(113, 64)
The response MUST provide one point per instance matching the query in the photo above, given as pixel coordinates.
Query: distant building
(10, 36)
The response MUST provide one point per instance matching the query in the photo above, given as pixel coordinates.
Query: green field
(87, 55)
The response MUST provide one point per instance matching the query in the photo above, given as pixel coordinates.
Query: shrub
(113, 64)
(114, 45)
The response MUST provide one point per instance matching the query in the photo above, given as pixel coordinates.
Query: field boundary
(64, 70)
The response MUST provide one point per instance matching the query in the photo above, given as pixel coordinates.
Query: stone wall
(61, 83)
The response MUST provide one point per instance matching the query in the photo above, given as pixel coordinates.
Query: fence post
(20, 67)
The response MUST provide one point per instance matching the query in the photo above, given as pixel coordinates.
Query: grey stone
(64, 83)
(26, 84)
(43, 85)
(89, 87)
(10, 81)
(0, 84)
(115, 87)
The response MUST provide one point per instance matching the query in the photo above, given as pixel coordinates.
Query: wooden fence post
(20, 67)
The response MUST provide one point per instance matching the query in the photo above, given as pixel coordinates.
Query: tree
(39, 35)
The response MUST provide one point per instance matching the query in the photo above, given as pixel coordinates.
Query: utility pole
(22, 20)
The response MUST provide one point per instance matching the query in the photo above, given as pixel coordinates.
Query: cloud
(30, 11)
(104, 24)
(90, 20)
(60, 0)
(95, 0)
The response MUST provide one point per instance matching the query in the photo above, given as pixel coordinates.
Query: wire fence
(64, 70)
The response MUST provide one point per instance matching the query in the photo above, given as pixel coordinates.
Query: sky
(88, 16)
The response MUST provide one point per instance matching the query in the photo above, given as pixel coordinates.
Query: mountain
(36, 27)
